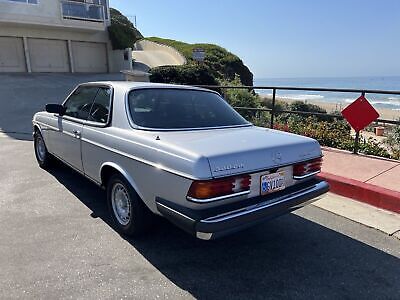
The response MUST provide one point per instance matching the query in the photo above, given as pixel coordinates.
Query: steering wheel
(99, 112)
(86, 108)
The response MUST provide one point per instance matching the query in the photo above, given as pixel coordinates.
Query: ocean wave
(392, 103)
(394, 98)
(302, 97)
(388, 103)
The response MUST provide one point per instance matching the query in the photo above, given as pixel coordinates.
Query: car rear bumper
(215, 222)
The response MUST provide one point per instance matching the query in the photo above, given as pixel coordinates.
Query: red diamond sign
(360, 113)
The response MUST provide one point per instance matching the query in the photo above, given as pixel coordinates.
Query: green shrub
(335, 134)
(302, 106)
(186, 74)
(122, 33)
(240, 97)
(279, 104)
(243, 98)
(298, 106)
(307, 107)
(373, 147)
(393, 141)
(222, 64)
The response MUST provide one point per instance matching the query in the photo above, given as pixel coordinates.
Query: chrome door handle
(76, 133)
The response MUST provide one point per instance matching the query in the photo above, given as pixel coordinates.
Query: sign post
(360, 114)
(356, 142)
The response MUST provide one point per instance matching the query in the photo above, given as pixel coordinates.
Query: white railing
(82, 11)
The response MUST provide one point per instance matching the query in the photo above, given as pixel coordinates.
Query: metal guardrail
(273, 110)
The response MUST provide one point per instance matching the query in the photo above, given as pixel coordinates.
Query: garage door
(89, 57)
(48, 55)
(12, 57)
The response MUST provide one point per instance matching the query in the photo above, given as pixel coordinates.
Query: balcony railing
(83, 11)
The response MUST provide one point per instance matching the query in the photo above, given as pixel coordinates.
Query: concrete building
(57, 36)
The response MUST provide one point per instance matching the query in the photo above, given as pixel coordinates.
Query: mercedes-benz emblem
(276, 157)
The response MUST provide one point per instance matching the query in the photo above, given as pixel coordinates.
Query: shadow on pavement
(22, 95)
(289, 257)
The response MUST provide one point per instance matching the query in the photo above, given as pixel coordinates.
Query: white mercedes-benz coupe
(180, 152)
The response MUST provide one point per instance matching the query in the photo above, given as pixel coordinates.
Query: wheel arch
(36, 127)
(107, 169)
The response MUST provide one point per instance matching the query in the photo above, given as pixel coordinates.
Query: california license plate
(273, 182)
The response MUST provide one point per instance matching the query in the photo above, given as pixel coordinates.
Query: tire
(129, 213)
(43, 157)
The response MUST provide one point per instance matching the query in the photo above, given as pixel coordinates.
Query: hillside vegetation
(220, 63)
(122, 33)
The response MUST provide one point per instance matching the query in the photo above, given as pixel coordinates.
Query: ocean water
(342, 99)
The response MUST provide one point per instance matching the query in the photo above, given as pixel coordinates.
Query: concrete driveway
(56, 241)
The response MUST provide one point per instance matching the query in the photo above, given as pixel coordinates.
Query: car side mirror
(55, 109)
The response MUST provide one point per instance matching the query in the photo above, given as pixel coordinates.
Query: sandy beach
(384, 113)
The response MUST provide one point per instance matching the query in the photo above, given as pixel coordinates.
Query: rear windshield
(180, 109)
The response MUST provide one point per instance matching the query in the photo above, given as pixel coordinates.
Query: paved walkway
(363, 177)
(380, 172)
(150, 54)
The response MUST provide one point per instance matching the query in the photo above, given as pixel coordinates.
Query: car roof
(130, 85)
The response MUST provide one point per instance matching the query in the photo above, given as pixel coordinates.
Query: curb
(363, 192)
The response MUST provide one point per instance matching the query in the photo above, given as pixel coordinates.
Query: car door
(66, 139)
(94, 133)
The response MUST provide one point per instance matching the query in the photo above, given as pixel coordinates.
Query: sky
(284, 38)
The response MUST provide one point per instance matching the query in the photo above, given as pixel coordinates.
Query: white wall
(118, 62)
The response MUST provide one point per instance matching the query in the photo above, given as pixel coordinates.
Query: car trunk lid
(245, 150)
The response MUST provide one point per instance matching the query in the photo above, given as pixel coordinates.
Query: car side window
(101, 106)
(80, 102)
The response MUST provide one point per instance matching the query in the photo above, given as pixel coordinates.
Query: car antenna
(158, 138)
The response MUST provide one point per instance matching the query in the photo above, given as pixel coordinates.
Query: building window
(25, 1)
(90, 10)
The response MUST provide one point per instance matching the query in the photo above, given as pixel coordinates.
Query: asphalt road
(56, 241)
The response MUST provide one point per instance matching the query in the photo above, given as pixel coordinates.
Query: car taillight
(307, 168)
(211, 189)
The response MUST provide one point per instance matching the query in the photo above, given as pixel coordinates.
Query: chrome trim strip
(45, 125)
(191, 129)
(72, 119)
(262, 205)
(218, 198)
(174, 211)
(306, 176)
